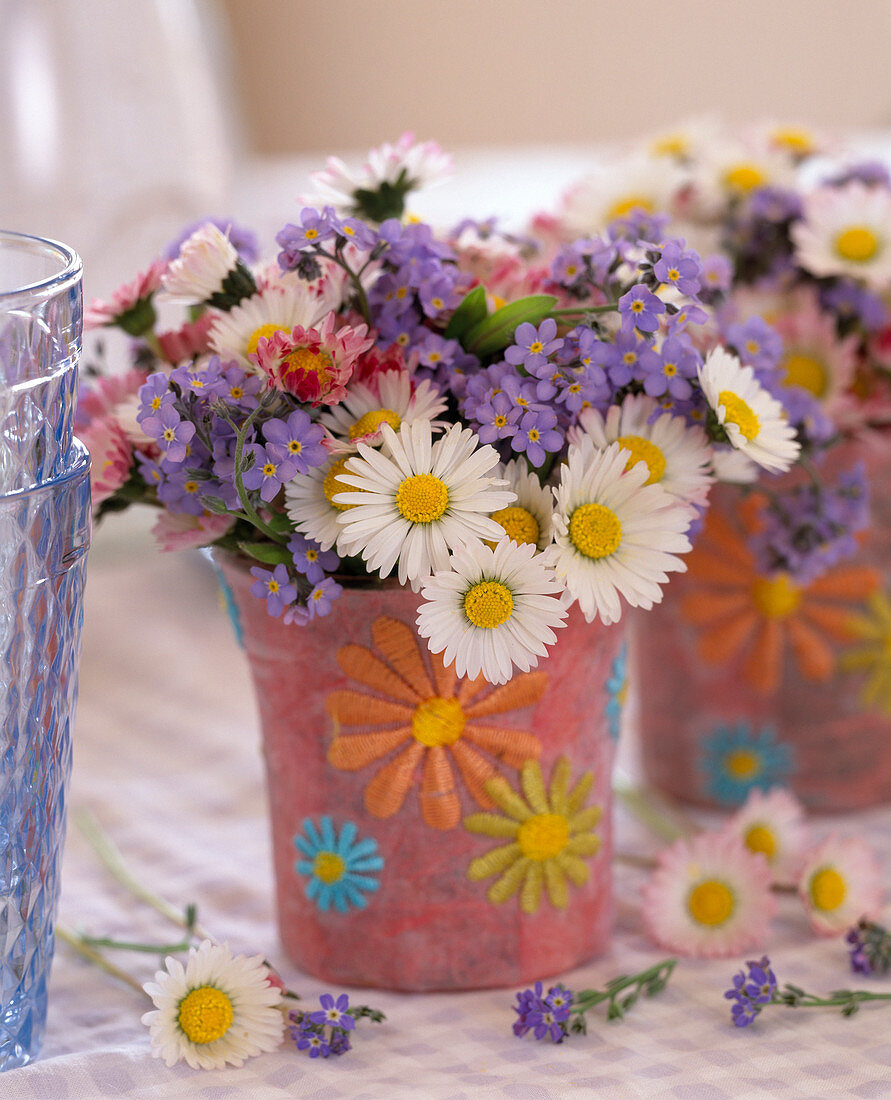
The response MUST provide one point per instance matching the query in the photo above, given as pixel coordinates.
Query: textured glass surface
(44, 536)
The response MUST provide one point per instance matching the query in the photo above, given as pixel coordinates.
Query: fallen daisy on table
(840, 882)
(772, 824)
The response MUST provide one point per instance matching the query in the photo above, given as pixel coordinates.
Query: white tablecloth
(167, 758)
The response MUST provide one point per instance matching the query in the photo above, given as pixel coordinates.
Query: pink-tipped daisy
(204, 262)
(846, 231)
(839, 883)
(183, 531)
(112, 457)
(125, 300)
(312, 364)
(709, 897)
(772, 824)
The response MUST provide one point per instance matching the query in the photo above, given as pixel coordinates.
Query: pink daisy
(312, 364)
(840, 882)
(814, 356)
(183, 344)
(99, 313)
(105, 394)
(709, 897)
(185, 532)
(771, 824)
(111, 457)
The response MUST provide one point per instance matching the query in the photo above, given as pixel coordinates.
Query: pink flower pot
(432, 833)
(746, 682)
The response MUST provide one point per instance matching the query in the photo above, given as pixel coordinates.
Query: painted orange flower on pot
(756, 618)
(425, 719)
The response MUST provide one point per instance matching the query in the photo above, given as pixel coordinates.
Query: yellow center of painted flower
(422, 498)
(595, 530)
(488, 604)
(629, 203)
(795, 140)
(519, 524)
(807, 372)
(332, 485)
(372, 420)
(743, 178)
(776, 597)
(858, 244)
(437, 721)
(761, 838)
(827, 889)
(329, 867)
(205, 1014)
(642, 450)
(742, 764)
(737, 412)
(543, 836)
(264, 332)
(710, 903)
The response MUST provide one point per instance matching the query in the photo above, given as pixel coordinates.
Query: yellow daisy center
(519, 524)
(671, 145)
(422, 498)
(807, 372)
(543, 836)
(742, 763)
(437, 721)
(372, 420)
(264, 332)
(642, 450)
(743, 178)
(761, 838)
(827, 889)
(332, 485)
(737, 412)
(776, 597)
(595, 530)
(310, 362)
(205, 1014)
(329, 867)
(795, 140)
(858, 244)
(488, 604)
(710, 903)
(629, 203)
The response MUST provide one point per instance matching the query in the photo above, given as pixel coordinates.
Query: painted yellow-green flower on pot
(873, 655)
(549, 833)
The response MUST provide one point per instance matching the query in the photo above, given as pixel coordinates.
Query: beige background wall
(326, 75)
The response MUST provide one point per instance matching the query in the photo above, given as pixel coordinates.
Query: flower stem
(145, 948)
(848, 1000)
(77, 943)
(647, 982)
(661, 818)
(250, 512)
(111, 857)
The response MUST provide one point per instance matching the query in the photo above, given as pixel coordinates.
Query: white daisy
(204, 261)
(840, 882)
(615, 535)
(709, 897)
(846, 231)
(217, 1010)
(492, 610)
(531, 517)
(677, 456)
(754, 421)
(733, 170)
(417, 499)
(772, 824)
(732, 467)
(389, 398)
(309, 501)
(614, 189)
(277, 308)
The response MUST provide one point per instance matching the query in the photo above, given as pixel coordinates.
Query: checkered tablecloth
(167, 759)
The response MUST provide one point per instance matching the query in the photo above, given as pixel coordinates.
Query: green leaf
(281, 522)
(216, 505)
(266, 552)
(496, 331)
(470, 312)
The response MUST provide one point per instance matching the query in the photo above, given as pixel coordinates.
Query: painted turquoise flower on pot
(340, 868)
(617, 689)
(735, 759)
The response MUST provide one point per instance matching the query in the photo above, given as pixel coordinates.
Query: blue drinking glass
(44, 538)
